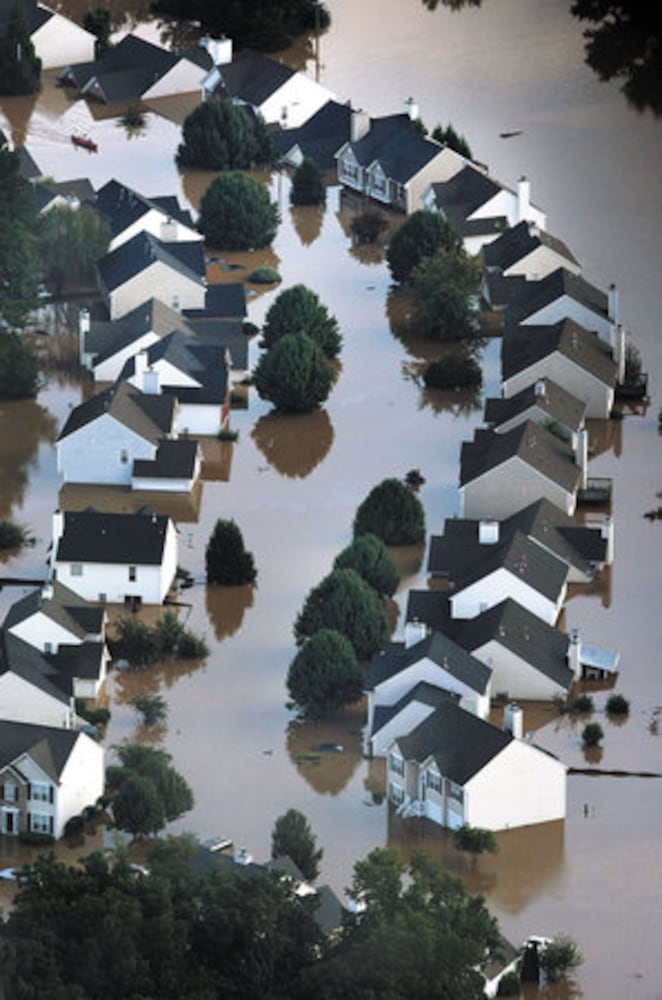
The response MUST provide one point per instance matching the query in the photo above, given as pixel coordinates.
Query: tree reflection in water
(326, 753)
(226, 607)
(294, 443)
(307, 222)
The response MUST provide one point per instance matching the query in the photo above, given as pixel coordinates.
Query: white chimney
(540, 389)
(58, 525)
(415, 631)
(242, 857)
(359, 124)
(488, 532)
(411, 107)
(618, 351)
(534, 230)
(523, 199)
(612, 303)
(139, 367)
(84, 321)
(513, 720)
(575, 654)
(151, 383)
(581, 456)
(47, 592)
(220, 49)
(607, 532)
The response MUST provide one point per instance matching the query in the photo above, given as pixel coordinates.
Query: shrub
(95, 716)
(134, 642)
(592, 734)
(453, 372)
(474, 840)
(583, 703)
(509, 985)
(167, 633)
(617, 705)
(34, 839)
(368, 226)
(75, 826)
(191, 647)
(152, 707)
(11, 535)
(264, 276)
(559, 957)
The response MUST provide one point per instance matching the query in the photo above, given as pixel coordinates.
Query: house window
(124, 456)
(48, 647)
(396, 764)
(455, 791)
(396, 793)
(133, 573)
(103, 598)
(433, 781)
(10, 792)
(40, 791)
(41, 823)
(76, 569)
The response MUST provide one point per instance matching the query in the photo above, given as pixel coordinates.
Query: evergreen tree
(292, 836)
(449, 137)
(19, 368)
(298, 309)
(368, 555)
(220, 135)
(423, 234)
(347, 604)
(393, 512)
(445, 293)
(294, 374)
(325, 674)
(226, 558)
(308, 187)
(236, 213)
(21, 67)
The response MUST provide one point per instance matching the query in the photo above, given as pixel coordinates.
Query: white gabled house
(425, 663)
(114, 558)
(456, 769)
(57, 39)
(32, 689)
(47, 775)
(525, 252)
(563, 294)
(128, 213)
(542, 401)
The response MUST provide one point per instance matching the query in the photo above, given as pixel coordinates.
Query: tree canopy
(368, 555)
(325, 674)
(220, 135)
(449, 137)
(308, 187)
(19, 368)
(19, 261)
(146, 790)
(423, 234)
(294, 374)
(344, 602)
(227, 560)
(393, 512)
(445, 292)
(236, 213)
(293, 837)
(70, 242)
(21, 67)
(298, 309)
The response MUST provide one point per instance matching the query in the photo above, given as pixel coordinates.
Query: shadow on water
(18, 451)
(327, 753)
(226, 607)
(295, 443)
(307, 222)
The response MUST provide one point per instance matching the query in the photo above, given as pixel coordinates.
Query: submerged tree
(308, 187)
(293, 837)
(325, 674)
(21, 67)
(344, 602)
(236, 213)
(445, 295)
(70, 242)
(368, 555)
(220, 135)
(298, 309)
(423, 234)
(393, 512)
(294, 374)
(227, 560)
(19, 368)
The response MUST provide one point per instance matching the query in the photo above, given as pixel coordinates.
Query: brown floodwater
(293, 483)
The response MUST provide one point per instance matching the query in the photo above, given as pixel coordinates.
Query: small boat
(510, 135)
(82, 140)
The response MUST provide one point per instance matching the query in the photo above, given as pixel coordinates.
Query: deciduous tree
(423, 234)
(292, 836)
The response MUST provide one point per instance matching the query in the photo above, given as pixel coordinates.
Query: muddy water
(293, 484)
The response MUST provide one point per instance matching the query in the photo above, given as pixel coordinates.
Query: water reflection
(226, 607)
(24, 425)
(294, 443)
(327, 753)
(307, 221)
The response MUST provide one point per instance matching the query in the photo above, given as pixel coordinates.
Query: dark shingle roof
(62, 606)
(83, 660)
(48, 746)
(423, 693)
(150, 416)
(200, 361)
(524, 634)
(462, 194)
(555, 285)
(121, 206)
(436, 647)
(519, 241)
(90, 536)
(143, 250)
(252, 77)
(525, 346)
(397, 145)
(460, 743)
(320, 137)
(108, 337)
(530, 442)
(173, 460)
(22, 659)
(224, 301)
(558, 404)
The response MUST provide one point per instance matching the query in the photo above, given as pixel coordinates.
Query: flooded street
(293, 483)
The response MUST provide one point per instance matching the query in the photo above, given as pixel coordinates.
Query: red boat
(81, 140)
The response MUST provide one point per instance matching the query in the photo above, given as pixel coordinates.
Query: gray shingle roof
(252, 77)
(48, 746)
(460, 743)
(555, 285)
(150, 416)
(462, 194)
(173, 460)
(143, 250)
(83, 660)
(63, 607)
(531, 443)
(397, 145)
(519, 241)
(436, 647)
(423, 694)
(108, 337)
(223, 301)
(525, 346)
(320, 137)
(121, 206)
(22, 659)
(558, 404)
(203, 362)
(90, 536)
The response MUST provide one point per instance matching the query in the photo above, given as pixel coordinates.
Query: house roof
(398, 146)
(106, 338)
(20, 658)
(519, 241)
(90, 536)
(143, 250)
(525, 346)
(464, 193)
(559, 283)
(202, 362)
(524, 634)
(121, 206)
(518, 554)
(320, 137)
(544, 394)
(429, 607)
(83, 661)
(27, 166)
(531, 443)
(460, 743)
(224, 301)
(542, 522)
(76, 190)
(48, 746)
(252, 77)
(173, 460)
(62, 606)
(422, 693)
(149, 415)
(438, 648)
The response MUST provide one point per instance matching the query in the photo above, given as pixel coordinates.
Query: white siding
(152, 222)
(61, 42)
(185, 77)
(300, 97)
(198, 419)
(506, 203)
(598, 396)
(23, 702)
(39, 629)
(109, 369)
(175, 289)
(94, 453)
(568, 308)
(81, 781)
(510, 487)
(494, 588)
(514, 676)
(519, 787)
(400, 725)
(541, 262)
